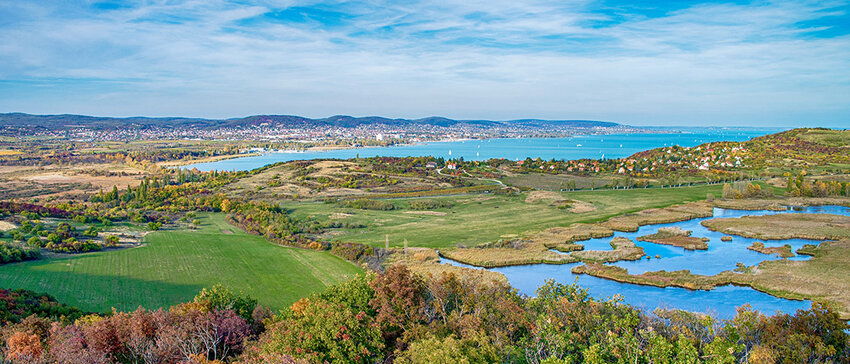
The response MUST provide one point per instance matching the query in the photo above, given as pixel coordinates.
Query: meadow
(173, 265)
(476, 219)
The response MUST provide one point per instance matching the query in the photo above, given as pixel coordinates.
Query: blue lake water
(576, 147)
(720, 256)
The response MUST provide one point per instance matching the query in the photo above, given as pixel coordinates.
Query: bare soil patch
(580, 207)
(339, 215)
(431, 213)
(547, 196)
(6, 226)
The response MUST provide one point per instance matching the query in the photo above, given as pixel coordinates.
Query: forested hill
(65, 121)
(793, 148)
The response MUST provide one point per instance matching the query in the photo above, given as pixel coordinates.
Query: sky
(647, 62)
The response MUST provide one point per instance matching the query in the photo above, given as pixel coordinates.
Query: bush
(367, 204)
(429, 204)
(220, 298)
(35, 242)
(72, 245)
(13, 254)
(111, 241)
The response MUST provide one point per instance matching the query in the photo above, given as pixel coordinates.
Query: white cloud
(708, 63)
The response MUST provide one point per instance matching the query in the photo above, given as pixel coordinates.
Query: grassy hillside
(174, 265)
(481, 218)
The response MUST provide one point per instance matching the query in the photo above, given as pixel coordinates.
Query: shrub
(111, 241)
(367, 204)
(429, 204)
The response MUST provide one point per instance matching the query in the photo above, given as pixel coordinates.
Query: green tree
(220, 298)
(322, 331)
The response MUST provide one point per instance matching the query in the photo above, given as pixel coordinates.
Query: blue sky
(759, 63)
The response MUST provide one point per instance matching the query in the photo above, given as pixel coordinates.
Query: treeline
(275, 224)
(401, 317)
(35, 157)
(799, 186)
(405, 318)
(64, 238)
(12, 253)
(742, 189)
(213, 327)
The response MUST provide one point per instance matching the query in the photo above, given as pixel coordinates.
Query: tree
(322, 331)
(220, 298)
(399, 299)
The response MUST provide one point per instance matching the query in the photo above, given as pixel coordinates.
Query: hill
(68, 121)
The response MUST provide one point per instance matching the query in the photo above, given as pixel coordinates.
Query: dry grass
(425, 261)
(784, 226)
(537, 248)
(534, 249)
(501, 257)
(631, 222)
(822, 278)
(624, 249)
(779, 204)
(780, 251)
(431, 213)
(676, 237)
(679, 278)
(6, 226)
(544, 196)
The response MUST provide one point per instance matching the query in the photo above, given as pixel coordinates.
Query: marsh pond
(721, 255)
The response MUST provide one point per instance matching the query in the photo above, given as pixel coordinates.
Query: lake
(720, 256)
(576, 147)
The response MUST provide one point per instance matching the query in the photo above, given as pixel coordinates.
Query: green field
(174, 265)
(481, 218)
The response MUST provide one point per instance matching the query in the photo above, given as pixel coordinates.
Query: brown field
(783, 251)
(784, 226)
(779, 204)
(679, 278)
(431, 213)
(6, 226)
(537, 247)
(822, 278)
(544, 196)
(631, 222)
(676, 237)
(282, 182)
(624, 249)
(425, 261)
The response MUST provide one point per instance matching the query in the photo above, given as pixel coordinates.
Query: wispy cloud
(782, 62)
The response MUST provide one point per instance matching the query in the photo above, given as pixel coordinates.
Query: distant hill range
(66, 121)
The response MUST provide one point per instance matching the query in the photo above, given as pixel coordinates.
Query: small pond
(720, 256)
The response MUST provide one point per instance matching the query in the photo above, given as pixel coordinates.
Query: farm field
(172, 266)
(476, 219)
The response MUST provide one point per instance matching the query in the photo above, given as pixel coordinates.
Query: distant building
(431, 165)
(452, 166)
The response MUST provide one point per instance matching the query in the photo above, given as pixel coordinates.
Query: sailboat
(450, 152)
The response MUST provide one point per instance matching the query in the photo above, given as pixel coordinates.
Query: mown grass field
(481, 218)
(174, 265)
